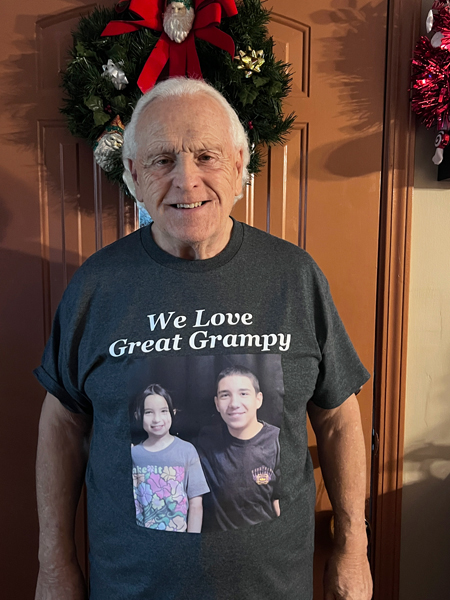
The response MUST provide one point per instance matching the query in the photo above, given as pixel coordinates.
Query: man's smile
(189, 205)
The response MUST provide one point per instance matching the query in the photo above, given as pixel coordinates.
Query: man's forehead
(157, 126)
(244, 382)
(160, 112)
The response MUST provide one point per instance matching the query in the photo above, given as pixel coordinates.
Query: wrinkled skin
(347, 577)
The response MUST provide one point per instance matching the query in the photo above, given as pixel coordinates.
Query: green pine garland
(92, 101)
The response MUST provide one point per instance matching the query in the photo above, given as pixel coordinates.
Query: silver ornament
(436, 40)
(430, 21)
(114, 73)
(107, 146)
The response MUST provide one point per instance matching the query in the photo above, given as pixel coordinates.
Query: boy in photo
(240, 457)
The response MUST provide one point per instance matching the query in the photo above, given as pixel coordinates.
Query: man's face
(187, 171)
(237, 402)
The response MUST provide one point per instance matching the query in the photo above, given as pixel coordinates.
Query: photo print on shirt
(205, 441)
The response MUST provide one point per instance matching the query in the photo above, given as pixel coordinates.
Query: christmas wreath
(120, 53)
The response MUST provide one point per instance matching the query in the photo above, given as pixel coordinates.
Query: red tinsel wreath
(430, 83)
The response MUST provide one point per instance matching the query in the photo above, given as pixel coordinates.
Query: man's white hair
(179, 87)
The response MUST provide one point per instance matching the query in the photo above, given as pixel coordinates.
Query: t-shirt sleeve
(277, 487)
(341, 373)
(196, 483)
(60, 371)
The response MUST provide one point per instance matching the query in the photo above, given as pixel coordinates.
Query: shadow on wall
(31, 103)
(19, 77)
(348, 159)
(353, 36)
(356, 84)
(21, 344)
(425, 549)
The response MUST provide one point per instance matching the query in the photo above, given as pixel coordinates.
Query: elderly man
(194, 282)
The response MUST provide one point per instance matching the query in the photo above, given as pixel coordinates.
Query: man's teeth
(193, 205)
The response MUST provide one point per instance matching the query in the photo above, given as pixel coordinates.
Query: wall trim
(392, 304)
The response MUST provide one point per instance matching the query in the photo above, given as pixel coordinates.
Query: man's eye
(205, 157)
(162, 162)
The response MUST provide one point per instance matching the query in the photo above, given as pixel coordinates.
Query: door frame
(397, 181)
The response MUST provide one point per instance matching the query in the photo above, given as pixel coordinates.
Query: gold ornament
(251, 61)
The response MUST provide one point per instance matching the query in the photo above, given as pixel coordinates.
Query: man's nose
(186, 175)
(234, 400)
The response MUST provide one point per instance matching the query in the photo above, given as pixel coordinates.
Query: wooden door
(320, 191)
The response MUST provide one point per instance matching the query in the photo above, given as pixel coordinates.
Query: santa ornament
(178, 19)
(431, 77)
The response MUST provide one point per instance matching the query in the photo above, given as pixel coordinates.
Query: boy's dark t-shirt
(243, 477)
(132, 306)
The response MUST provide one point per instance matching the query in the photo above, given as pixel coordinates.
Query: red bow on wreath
(182, 57)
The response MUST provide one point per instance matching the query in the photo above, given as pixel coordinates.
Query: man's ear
(132, 170)
(137, 189)
(239, 168)
(215, 402)
(259, 399)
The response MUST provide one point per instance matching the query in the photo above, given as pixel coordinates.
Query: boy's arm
(195, 515)
(61, 461)
(276, 507)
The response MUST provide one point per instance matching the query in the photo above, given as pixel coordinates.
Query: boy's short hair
(239, 370)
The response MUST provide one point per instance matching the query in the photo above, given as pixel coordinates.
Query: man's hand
(65, 583)
(347, 577)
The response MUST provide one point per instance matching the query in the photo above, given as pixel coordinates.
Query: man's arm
(63, 447)
(340, 444)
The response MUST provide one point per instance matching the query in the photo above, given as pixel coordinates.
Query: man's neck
(193, 250)
(248, 433)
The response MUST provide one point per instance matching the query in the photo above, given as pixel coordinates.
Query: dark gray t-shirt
(134, 315)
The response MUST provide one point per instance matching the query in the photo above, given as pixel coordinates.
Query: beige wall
(425, 555)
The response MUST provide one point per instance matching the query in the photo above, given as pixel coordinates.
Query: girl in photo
(168, 480)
